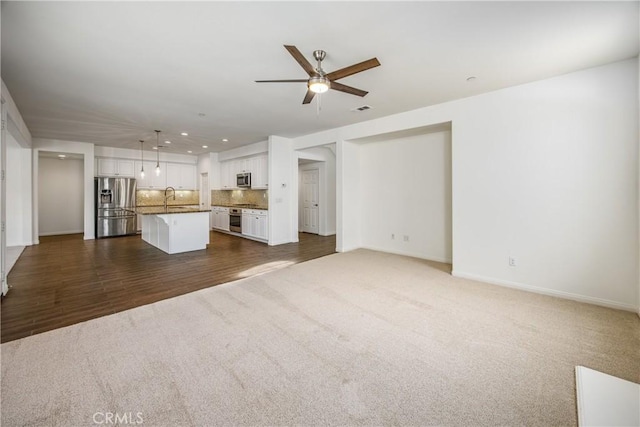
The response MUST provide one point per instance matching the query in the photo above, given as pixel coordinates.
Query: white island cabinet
(175, 230)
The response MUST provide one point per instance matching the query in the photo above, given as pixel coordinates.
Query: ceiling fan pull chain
(318, 106)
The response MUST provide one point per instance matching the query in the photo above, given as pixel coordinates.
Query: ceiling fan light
(319, 84)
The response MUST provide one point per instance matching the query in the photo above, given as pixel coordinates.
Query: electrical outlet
(406, 238)
(512, 261)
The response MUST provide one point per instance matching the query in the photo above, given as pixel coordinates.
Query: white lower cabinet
(220, 218)
(255, 223)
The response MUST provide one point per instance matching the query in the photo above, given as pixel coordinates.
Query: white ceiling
(110, 73)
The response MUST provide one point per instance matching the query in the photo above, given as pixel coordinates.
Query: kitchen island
(175, 229)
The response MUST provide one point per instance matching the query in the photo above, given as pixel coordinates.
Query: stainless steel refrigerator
(115, 206)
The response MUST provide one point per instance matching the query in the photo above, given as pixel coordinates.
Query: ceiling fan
(319, 81)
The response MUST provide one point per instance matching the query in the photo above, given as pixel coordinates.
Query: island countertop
(160, 210)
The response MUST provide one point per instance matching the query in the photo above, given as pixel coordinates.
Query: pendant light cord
(158, 152)
(141, 159)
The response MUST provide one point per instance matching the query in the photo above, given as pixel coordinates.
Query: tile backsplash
(237, 197)
(156, 198)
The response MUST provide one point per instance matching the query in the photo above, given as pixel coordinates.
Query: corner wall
(18, 193)
(282, 167)
(546, 173)
(406, 195)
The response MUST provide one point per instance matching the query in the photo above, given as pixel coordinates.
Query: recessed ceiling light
(205, 146)
(168, 142)
(225, 140)
(155, 148)
(61, 156)
(184, 134)
(189, 151)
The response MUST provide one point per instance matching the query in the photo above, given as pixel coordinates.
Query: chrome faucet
(167, 197)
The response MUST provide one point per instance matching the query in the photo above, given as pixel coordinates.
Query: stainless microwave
(243, 180)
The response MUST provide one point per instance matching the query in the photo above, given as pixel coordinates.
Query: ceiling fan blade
(348, 89)
(283, 81)
(353, 69)
(308, 97)
(298, 56)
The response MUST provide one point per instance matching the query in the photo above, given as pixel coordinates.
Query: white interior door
(309, 193)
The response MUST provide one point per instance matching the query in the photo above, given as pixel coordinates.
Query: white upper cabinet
(116, 167)
(256, 165)
(260, 173)
(181, 176)
(243, 165)
(151, 180)
(227, 176)
(177, 175)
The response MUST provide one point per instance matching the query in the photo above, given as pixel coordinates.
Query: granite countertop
(259, 207)
(159, 210)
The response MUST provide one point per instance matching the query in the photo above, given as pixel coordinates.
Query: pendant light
(158, 152)
(141, 160)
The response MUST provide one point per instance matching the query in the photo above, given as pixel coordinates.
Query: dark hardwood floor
(66, 280)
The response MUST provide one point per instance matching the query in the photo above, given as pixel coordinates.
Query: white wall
(282, 191)
(549, 172)
(87, 151)
(18, 194)
(244, 151)
(545, 172)
(406, 191)
(16, 125)
(60, 196)
(348, 196)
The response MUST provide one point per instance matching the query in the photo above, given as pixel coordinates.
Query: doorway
(60, 193)
(309, 201)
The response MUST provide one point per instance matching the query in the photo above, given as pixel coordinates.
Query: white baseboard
(56, 233)
(544, 291)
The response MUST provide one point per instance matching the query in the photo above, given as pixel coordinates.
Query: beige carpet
(362, 338)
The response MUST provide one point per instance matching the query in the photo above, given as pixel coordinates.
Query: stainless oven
(235, 220)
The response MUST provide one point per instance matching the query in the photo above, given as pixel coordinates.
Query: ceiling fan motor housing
(319, 55)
